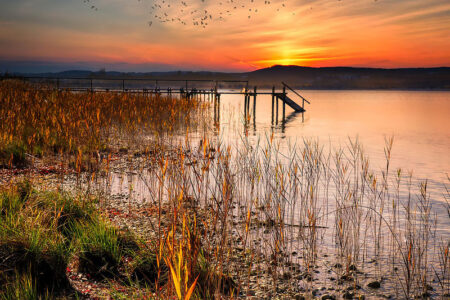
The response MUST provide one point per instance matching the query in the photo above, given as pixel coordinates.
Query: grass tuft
(100, 251)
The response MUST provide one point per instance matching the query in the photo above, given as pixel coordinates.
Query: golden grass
(41, 121)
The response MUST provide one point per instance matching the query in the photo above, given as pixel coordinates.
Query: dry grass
(39, 122)
(263, 205)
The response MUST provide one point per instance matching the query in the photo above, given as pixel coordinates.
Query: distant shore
(333, 78)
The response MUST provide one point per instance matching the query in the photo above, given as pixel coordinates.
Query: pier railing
(295, 92)
(99, 84)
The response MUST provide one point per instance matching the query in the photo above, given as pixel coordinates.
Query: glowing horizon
(380, 33)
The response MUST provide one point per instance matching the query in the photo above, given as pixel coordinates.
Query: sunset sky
(128, 35)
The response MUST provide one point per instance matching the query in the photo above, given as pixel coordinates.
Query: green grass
(100, 251)
(68, 211)
(29, 243)
(23, 287)
(42, 231)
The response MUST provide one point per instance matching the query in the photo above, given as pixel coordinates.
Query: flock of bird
(202, 13)
(89, 2)
(198, 13)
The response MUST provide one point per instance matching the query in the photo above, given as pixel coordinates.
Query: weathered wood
(290, 102)
(276, 118)
(284, 104)
(273, 100)
(254, 102)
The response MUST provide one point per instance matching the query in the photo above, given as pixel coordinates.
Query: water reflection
(418, 121)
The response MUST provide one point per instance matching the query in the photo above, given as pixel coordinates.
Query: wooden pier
(189, 88)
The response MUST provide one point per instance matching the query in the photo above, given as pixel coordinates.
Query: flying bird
(200, 13)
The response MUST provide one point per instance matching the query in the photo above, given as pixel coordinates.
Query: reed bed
(293, 222)
(38, 121)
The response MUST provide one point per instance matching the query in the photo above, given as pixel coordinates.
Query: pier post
(245, 103)
(215, 92)
(273, 101)
(215, 109)
(284, 103)
(248, 104)
(254, 105)
(218, 108)
(276, 118)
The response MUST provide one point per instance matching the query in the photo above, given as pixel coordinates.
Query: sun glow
(317, 34)
(288, 61)
(280, 61)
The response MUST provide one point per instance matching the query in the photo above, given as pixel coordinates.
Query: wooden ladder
(287, 100)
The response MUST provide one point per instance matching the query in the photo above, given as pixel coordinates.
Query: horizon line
(101, 70)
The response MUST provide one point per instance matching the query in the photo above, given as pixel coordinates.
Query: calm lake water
(418, 121)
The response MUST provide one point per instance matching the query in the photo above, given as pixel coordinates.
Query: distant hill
(299, 77)
(354, 78)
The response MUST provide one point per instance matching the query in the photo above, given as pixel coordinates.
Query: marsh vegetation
(144, 201)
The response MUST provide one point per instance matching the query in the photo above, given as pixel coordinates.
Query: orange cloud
(311, 33)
